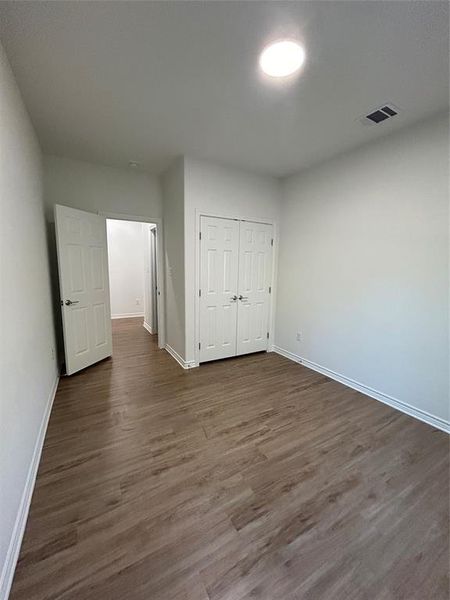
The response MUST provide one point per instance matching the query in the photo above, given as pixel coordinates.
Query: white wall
(126, 248)
(363, 266)
(225, 192)
(173, 193)
(97, 188)
(28, 369)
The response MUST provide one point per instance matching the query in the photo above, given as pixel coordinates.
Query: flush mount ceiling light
(282, 58)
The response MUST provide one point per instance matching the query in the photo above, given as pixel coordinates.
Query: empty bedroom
(224, 320)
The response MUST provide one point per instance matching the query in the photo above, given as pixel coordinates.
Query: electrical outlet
(138, 301)
(299, 336)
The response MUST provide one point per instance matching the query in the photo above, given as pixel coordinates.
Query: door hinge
(267, 335)
(199, 345)
(271, 242)
(270, 289)
(200, 235)
(200, 293)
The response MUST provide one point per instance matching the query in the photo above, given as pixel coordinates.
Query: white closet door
(84, 285)
(219, 255)
(255, 275)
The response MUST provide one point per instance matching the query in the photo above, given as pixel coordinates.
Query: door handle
(233, 298)
(70, 302)
(241, 297)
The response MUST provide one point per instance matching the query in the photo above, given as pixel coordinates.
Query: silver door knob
(70, 302)
(233, 298)
(241, 297)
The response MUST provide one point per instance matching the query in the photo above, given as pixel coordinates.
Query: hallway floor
(247, 478)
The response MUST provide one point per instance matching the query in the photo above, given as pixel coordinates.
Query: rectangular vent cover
(381, 114)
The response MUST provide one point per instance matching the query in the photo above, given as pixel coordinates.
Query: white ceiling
(113, 81)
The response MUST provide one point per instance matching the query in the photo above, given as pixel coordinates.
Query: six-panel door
(255, 275)
(235, 279)
(84, 287)
(218, 275)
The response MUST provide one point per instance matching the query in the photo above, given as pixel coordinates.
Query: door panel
(254, 279)
(218, 284)
(83, 276)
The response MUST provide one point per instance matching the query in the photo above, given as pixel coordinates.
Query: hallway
(247, 478)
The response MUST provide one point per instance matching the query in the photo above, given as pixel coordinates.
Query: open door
(84, 287)
(154, 280)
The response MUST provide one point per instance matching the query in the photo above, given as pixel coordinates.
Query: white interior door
(154, 281)
(255, 276)
(84, 286)
(219, 255)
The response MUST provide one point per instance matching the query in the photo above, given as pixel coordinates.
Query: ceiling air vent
(381, 114)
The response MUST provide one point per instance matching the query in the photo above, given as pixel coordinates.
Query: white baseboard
(146, 326)
(179, 359)
(408, 409)
(287, 354)
(12, 555)
(127, 315)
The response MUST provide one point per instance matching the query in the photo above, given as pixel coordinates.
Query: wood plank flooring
(251, 478)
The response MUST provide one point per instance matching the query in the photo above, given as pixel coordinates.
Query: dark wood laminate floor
(252, 478)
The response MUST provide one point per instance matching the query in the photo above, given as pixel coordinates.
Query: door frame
(157, 221)
(202, 213)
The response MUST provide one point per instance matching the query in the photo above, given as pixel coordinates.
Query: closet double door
(235, 292)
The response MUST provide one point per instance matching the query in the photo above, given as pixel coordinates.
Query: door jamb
(201, 213)
(160, 265)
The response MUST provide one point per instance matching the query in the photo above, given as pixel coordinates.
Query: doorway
(83, 248)
(133, 271)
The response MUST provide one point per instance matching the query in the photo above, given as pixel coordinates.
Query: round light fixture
(282, 58)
